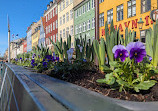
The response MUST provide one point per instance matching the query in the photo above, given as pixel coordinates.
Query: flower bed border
(77, 98)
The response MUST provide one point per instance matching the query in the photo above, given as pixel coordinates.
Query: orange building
(127, 13)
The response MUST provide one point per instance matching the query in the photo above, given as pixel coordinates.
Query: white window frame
(53, 25)
(56, 24)
(93, 4)
(67, 3)
(63, 4)
(76, 29)
(109, 16)
(88, 6)
(88, 25)
(71, 30)
(67, 31)
(64, 19)
(53, 13)
(67, 16)
(71, 14)
(63, 33)
(93, 23)
(60, 21)
(83, 9)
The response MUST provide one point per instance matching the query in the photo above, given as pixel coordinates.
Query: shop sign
(154, 15)
(133, 22)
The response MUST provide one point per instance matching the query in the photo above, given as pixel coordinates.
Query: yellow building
(65, 20)
(35, 33)
(126, 13)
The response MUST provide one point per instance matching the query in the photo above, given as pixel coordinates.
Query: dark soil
(87, 79)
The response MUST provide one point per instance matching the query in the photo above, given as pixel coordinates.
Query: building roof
(77, 2)
(53, 2)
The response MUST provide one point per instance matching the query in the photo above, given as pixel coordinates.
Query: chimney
(48, 6)
(51, 3)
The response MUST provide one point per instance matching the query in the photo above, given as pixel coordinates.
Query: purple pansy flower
(120, 52)
(53, 58)
(149, 57)
(33, 56)
(45, 64)
(48, 57)
(33, 62)
(57, 58)
(137, 51)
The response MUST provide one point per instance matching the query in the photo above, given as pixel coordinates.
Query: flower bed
(126, 69)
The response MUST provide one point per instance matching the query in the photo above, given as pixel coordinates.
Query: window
(101, 19)
(46, 30)
(88, 6)
(56, 10)
(93, 3)
(120, 12)
(49, 28)
(71, 30)
(84, 26)
(93, 23)
(67, 16)
(145, 5)
(56, 24)
(79, 12)
(64, 4)
(142, 36)
(53, 25)
(60, 33)
(67, 31)
(110, 16)
(50, 14)
(67, 2)
(60, 7)
(88, 25)
(131, 8)
(76, 13)
(71, 14)
(71, 1)
(53, 38)
(46, 18)
(50, 41)
(63, 33)
(60, 20)
(63, 19)
(83, 9)
(100, 1)
(80, 28)
(53, 12)
(56, 36)
(76, 31)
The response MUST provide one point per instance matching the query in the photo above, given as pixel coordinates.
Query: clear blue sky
(21, 14)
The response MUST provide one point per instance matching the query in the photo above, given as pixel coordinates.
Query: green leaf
(110, 80)
(101, 80)
(106, 69)
(145, 85)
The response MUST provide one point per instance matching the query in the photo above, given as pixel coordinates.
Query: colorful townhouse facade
(66, 20)
(51, 23)
(36, 33)
(126, 14)
(29, 38)
(41, 40)
(84, 19)
(25, 45)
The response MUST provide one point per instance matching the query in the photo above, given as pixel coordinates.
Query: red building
(51, 23)
(25, 45)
